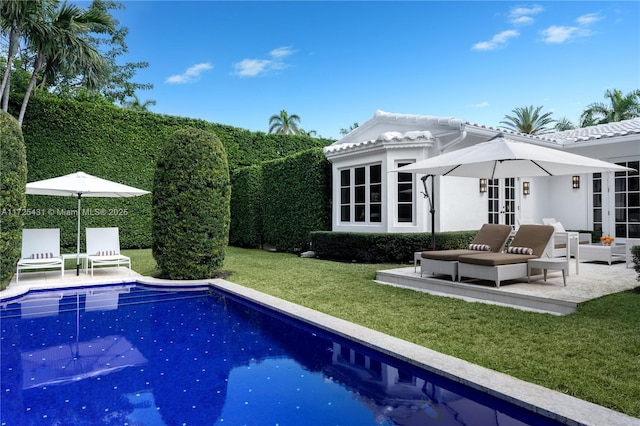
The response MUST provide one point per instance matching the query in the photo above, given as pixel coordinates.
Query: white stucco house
(367, 197)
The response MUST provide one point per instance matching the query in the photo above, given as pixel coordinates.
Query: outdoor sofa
(529, 242)
(491, 237)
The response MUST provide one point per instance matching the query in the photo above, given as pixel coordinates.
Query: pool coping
(549, 403)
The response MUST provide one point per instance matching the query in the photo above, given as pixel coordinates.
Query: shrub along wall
(279, 204)
(13, 175)
(65, 136)
(383, 248)
(246, 207)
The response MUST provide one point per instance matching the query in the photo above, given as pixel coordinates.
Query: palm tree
(284, 123)
(564, 124)
(310, 133)
(345, 132)
(528, 120)
(17, 17)
(136, 105)
(59, 44)
(622, 107)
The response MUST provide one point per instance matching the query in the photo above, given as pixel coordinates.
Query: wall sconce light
(575, 182)
(526, 188)
(483, 185)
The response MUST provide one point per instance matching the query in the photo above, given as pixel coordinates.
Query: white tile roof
(351, 142)
(608, 130)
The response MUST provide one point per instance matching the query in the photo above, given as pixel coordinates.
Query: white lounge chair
(103, 248)
(40, 250)
(563, 243)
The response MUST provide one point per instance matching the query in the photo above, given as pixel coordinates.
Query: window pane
(359, 212)
(405, 213)
(597, 185)
(634, 231)
(359, 176)
(597, 215)
(345, 196)
(375, 193)
(634, 215)
(375, 213)
(375, 174)
(621, 200)
(597, 200)
(345, 214)
(621, 184)
(405, 192)
(405, 177)
(621, 231)
(359, 194)
(345, 176)
(634, 183)
(634, 165)
(621, 215)
(634, 200)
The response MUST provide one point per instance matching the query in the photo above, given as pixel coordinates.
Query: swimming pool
(139, 355)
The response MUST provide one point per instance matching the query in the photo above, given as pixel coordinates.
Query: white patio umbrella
(81, 185)
(502, 158)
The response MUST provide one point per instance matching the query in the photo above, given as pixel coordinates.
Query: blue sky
(335, 63)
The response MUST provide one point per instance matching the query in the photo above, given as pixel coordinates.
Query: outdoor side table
(553, 263)
(83, 258)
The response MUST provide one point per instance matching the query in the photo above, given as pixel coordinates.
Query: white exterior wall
(458, 203)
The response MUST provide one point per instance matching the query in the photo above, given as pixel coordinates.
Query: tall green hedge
(296, 199)
(66, 136)
(246, 207)
(13, 178)
(191, 192)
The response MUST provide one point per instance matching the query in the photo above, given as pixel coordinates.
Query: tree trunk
(14, 36)
(32, 83)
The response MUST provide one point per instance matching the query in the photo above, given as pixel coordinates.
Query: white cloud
(498, 40)
(523, 15)
(251, 67)
(281, 52)
(254, 67)
(588, 19)
(484, 104)
(190, 75)
(558, 34)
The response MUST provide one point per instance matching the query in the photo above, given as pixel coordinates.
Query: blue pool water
(137, 355)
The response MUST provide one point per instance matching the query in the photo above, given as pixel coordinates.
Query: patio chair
(491, 237)
(40, 250)
(563, 245)
(528, 243)
(103, 248)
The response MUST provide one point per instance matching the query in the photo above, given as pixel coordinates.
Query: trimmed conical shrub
(190, 205)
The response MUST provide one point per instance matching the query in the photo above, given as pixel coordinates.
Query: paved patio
(593, 281)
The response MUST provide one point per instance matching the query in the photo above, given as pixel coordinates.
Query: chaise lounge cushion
(490, 234)
(495, 259)
(534, 237)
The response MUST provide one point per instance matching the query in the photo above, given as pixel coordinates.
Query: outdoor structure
(369, 197)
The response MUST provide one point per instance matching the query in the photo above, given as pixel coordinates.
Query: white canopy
(502, 158)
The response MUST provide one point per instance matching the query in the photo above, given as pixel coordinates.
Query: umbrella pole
(432, 209)
(78, 247)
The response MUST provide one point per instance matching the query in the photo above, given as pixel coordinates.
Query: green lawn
(593, 354)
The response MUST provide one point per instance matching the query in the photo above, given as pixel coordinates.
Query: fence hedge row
(279, 203)
(65, 136)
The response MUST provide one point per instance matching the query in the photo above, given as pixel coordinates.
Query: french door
(502, 201)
